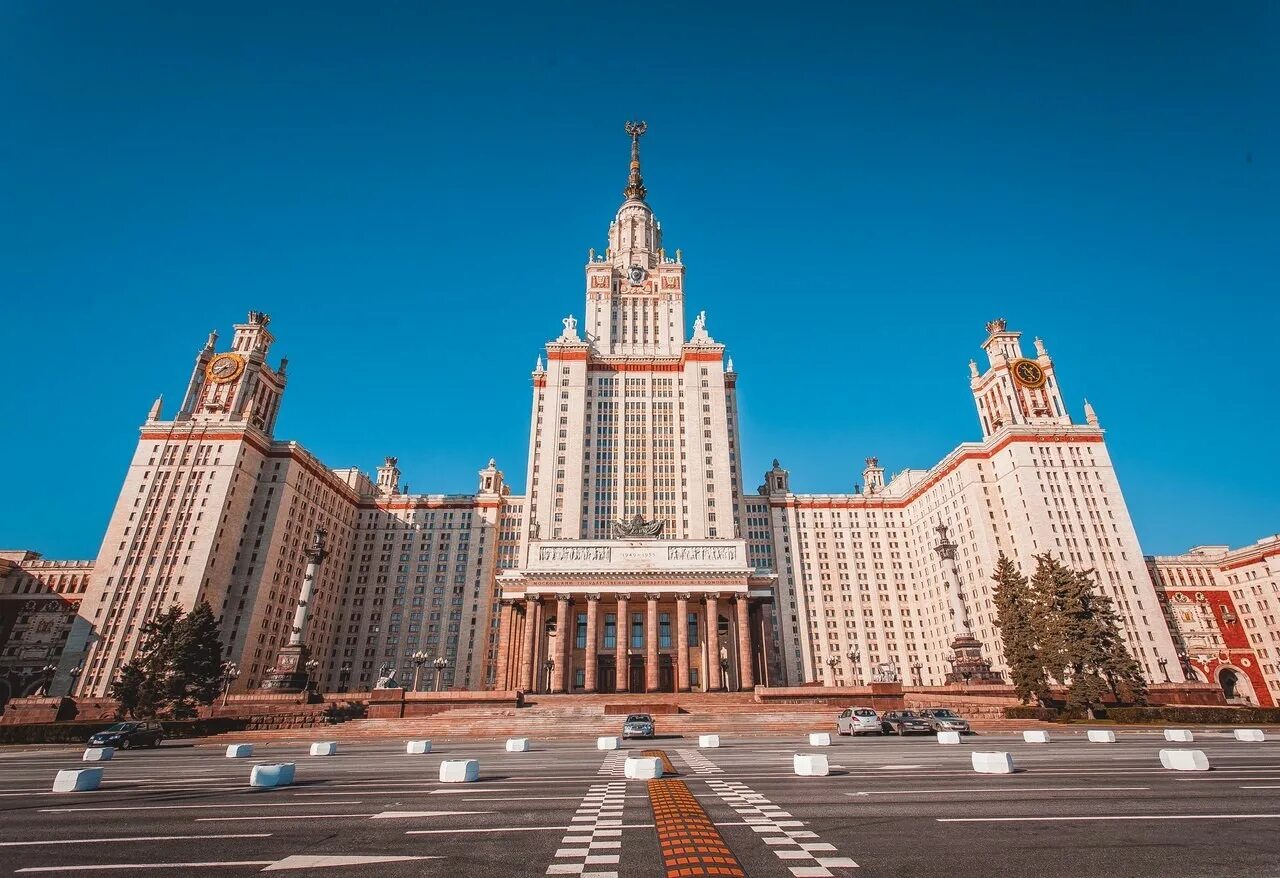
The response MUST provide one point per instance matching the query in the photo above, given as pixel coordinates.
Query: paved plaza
(890, 807)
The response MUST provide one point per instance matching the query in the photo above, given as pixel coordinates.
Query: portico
(634, 616)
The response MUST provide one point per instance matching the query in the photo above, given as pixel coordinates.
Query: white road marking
(299, 861)
(292, 862)
(14, 844)
(395, 815)
(461, 792)
(999, 790)
(1109, 817)
(1265, 787)
(107, 866)
(192, 807)
(279, 817)
(594, 835)
(519, 829)
(787, 838)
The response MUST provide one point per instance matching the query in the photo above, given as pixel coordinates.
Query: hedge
(79, 732)
(1137, 715)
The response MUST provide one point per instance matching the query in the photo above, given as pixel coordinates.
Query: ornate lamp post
(832, 662)
(854, 673)
(312, 666)
(966, 657)
(47, 673)
(440, 664)
(915, 673)
(230, 670)
(1164, 668)
(419, 659)
(547, 666)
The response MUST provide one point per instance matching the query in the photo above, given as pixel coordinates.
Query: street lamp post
(547, 666)
(440, 664)
(854, 673)
(419, 659)
(345, 676)
(230, 670)
(312, 666)
(47, 673)
(832, 661)
(1164, 668)
(915, 671)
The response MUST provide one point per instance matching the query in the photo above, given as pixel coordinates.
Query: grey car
(637, 725)
(943, 719)
(904, 722)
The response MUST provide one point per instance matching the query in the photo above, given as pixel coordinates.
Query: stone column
(621, 671)
(527, 645)
(561, 657)
(713, 642)
(506, 646)
(682, 643)
(746, 670)
(651, 644)
(593, 614)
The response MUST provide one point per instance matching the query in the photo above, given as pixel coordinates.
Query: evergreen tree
(178, 666)
(1016, 618)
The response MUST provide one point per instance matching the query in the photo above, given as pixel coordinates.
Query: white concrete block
(459, 771)
(810, 764)
(1036, 737)
(239, 751)
(517, 745)
(709, 741)
(948, 737)
(992, 763)
(77, 780)
(609, 743)
(819, 739)
(1182, 736)
(324, 748)
(1101, 736)
(272, 774)
(98, 754)
(642, 767)
(418, 747)
(1184, 760)
(1253, 736)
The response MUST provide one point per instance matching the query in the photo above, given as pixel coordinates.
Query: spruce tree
(177, 667)
(1016, 618)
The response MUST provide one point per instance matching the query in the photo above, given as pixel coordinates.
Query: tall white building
(634, 559)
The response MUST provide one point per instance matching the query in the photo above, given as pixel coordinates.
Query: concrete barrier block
(77, 780)
(1182, 736)
(948, 737)
(609, 743)
(819, 739)
(810, 764)
(517, 745)
(642, 767)
(1102, 736)
(239, 751)
(324, 748)
(272, 774)
(709, 741)
(459, 771)
(992, 763)
(418, 747)
(98, 754)
(1252, 736)
(1184, 760)
(1035, 737)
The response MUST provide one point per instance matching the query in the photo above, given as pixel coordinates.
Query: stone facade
(634, 559)
(40, 623)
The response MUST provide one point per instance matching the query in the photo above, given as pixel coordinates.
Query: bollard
(709, 742)
(1252, 736)
(1035, 737)
(1102, 736)
(459, 771)
(1182, 736)
(517, 745)
(992, 763)
(810, 764)
(819, 739)
(239, 751)
(324, 748)
(98, 754)
(418, 747)
(77, 780)
(272, 774)
(948, 737)
(642, 768)
(1184, 760)
(608, 743)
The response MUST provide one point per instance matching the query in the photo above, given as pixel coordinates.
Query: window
(693, 629)
(580, 632)
(664, 630)
(610, 631)
(637, 631)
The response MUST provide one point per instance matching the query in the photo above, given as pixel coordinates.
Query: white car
(858, 721)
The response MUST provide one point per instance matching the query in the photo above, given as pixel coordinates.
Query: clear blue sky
(410, 193)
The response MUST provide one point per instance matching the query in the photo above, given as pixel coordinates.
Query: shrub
(78, 733)
(1192, 714)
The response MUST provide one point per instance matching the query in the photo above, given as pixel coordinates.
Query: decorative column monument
(967, 664)
(290, 673)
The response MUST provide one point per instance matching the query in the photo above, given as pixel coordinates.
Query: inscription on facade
(702, 553)
(574, 553)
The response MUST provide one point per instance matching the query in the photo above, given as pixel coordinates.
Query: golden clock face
(224, 368)
(1028, 373)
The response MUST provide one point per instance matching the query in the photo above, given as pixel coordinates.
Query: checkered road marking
(595, 839)
(804, 854)
(699, 763)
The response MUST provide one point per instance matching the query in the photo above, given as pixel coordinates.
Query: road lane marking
(280, 817)
(1109, 817)
(699, 762)
(107, 866)
(594, 836)
(999, 790)
(297, 861)
(302, 861)
(515, 829)
(14, 844)
(787, 838)
(193, 807)
(396, 815)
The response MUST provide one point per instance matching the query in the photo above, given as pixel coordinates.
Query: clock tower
(236, 386)
(1015, 389)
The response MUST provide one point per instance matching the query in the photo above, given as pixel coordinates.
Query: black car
(904, 722)
(122, 736)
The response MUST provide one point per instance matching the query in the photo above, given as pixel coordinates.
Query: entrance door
(666, 674)
(606, 675)
(635, 677)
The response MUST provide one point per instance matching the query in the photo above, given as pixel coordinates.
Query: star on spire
(635, 183)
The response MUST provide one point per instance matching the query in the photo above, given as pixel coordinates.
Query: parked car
(637, 725)
(122, 736)
(858, 721)
(943, 719)
(904, 722)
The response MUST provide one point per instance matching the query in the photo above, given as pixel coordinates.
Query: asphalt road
(893, 807)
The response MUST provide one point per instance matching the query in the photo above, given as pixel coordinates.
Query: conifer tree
(177, 667)
(1016, 618)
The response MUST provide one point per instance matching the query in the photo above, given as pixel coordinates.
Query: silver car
(858, 721)
(943, 719)
(637, 725)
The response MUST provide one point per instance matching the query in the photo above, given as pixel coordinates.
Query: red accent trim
(422, 503)
(1262, 555)
(646, 366)
(539, 380)
(566, 355)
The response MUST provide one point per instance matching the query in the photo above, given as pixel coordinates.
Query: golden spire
(635, 183)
